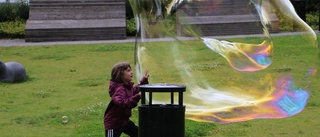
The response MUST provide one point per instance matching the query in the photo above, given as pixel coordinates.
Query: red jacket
(124, 98)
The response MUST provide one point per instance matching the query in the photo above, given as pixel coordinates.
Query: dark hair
(117, 71)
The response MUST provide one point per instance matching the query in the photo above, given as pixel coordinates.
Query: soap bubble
(227, 79)
(64, 119)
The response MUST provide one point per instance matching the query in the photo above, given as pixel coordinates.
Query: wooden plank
(73, 4)
(228, 29)
(67, 1)
(75, 34)
(67, 20)
(217, 7)
(79, 13)
(67, 24)
(218, 19)
(227, 17)
(75, 1)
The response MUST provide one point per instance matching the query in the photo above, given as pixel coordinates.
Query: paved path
(21, 42)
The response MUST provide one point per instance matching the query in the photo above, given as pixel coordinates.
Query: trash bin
(300, 7)
(161, 120)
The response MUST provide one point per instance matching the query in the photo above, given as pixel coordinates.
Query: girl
(124, 97)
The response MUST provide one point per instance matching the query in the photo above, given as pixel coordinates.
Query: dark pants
(130, 129)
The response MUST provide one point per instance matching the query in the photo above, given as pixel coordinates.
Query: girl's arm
(119, 98)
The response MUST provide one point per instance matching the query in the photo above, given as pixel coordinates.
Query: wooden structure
(226, 17)
(72, 20)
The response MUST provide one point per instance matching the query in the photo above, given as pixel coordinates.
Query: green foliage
(129, 11)
(13, 18)
(131, 27)
(313, 20)
(285, 25)
(130, 21)
(312, 6)
(14, 11)
(12, 29)
(6, 12)
(22, 10)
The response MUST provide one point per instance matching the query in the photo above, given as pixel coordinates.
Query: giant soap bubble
(228, 80)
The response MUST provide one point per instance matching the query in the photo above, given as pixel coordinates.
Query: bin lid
(162, 88)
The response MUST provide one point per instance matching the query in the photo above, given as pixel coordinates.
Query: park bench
(71, 20)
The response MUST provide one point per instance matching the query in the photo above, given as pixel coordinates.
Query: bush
(12, 29)
(6, 12)
(129, 11)
(22, 10)
(13, 18)
(14, 11)
(313, 19)
(131, 27)
(312, 6)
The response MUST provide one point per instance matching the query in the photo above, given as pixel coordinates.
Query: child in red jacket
(124, 97)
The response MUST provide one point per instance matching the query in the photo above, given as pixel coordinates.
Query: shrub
(12, 29)
(13, 18)
(14, 11)
(6, 12)
(22, 10)
(129, 11)
(131, 27)
(313, 19)
(312, 6)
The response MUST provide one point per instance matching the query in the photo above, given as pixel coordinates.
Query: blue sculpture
(12, 72)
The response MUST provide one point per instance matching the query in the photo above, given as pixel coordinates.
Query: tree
(312, 6)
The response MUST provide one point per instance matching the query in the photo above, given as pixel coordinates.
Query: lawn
(72, 81)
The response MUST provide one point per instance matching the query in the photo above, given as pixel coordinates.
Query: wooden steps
(229, 17)
(72, 20)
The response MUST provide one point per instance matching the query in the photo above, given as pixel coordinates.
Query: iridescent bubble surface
(228, 79)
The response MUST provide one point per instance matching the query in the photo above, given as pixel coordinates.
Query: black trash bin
(161, 120)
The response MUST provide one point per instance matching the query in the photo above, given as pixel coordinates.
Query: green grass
(72, 81)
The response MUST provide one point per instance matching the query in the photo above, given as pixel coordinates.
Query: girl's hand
(146, 75)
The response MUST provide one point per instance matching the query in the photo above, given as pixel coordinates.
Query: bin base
(161, 120)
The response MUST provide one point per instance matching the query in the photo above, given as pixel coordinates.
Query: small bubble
(64, 119)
